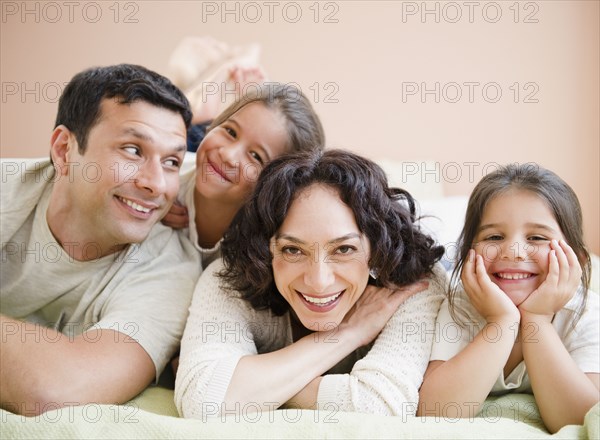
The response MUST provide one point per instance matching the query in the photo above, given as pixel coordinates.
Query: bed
(152, 414)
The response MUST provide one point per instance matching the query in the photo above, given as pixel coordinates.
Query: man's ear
(63, 146)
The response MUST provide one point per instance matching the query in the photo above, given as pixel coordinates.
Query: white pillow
(443, 220)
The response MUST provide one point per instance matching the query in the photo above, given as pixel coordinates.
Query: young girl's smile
(514, 238)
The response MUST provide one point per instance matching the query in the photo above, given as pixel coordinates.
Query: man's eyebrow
(136, 133)
(130, 131)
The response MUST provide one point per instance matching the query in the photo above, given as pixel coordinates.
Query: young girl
(263, 124)
(526, 321)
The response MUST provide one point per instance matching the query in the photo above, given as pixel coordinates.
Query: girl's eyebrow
(541, 226)
(528, 225)
(332, 241)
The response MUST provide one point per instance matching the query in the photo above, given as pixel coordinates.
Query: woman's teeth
(321, 301)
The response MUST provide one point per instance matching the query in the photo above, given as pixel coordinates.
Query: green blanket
(153, 415)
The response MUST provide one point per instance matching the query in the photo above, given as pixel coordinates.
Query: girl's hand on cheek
(487, 298)
(375, 307)
(564, 276)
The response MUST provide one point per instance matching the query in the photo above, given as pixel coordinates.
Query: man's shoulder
(165, 240)
(25, 178)
(23, 184)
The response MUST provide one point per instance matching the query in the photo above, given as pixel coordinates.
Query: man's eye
(132, 149)
(173, 163)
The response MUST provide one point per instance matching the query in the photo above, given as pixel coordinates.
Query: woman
(308, 306)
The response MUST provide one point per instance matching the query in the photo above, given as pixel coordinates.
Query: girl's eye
(538, 238)
(493, 237)
(230, 131)
(257, 157)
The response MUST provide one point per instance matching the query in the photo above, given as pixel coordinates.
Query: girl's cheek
(489, 251)
(250, 173)
(538, 253)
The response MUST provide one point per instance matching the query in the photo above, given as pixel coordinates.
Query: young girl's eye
(257, 157)
(230, 131)
(538, 238)
(493, 237)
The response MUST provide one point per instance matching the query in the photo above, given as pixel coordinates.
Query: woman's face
(320, 258)
(233, 154)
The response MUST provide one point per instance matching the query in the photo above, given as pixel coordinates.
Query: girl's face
(514, 240)
(320, 258)
(233, 154)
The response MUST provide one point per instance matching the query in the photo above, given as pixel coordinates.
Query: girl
(527, 321)
(266, 122)
(304, 308)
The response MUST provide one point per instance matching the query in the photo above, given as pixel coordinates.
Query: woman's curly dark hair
(400, 252)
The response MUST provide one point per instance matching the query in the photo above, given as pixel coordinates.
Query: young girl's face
(514, 239)
(233, 154)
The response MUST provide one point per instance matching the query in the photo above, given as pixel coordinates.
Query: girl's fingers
(563, 263)
(553, 269)
(481, 272)
(573, 262)
(468, 272)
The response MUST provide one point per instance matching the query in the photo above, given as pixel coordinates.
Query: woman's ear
(62, 143)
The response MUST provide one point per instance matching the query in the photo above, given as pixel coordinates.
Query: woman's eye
(344, 250)
(290, 250)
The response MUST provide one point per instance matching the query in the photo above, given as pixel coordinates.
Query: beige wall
(366, 57)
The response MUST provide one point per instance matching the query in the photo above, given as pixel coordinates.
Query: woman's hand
(487, 298)
(177, 217)
(375, 307)
(560, 285)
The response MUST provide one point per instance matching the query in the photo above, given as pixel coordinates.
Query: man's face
(128, 176)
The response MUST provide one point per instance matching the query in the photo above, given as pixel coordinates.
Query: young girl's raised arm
(563, 392)
(457, 387)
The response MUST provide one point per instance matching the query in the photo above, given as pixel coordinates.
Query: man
(94, 292)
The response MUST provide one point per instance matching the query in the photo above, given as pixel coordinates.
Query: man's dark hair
(79, 105)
